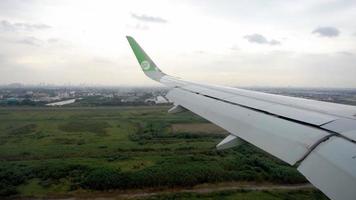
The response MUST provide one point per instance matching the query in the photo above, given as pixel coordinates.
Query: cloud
(138, 26)
(345, 53)
(260, 39)
(2, 58)
(200, 52)
(146, 18)
(53, 40)
(8, 26)
(32, 41)
(327, 31)
(235, 48)
(274, 42)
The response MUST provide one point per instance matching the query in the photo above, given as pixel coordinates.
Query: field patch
(44, 153)
(25, 129)
(85, 126)
(197, 128)
(68, 141)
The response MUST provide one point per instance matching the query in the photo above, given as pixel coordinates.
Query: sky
(269, 43)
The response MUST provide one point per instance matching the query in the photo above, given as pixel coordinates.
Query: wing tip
(146, 63)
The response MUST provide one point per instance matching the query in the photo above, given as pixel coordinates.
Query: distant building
(29, 92)
(72, 93)
(39, 95)
(12, 100)
(63, 95)
(110, 96)
(130, 99)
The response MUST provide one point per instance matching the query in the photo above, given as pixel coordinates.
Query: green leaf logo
(145, 65)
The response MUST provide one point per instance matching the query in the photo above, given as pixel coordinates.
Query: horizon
(80, 86)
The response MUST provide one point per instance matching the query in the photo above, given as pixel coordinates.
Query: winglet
(147, 65)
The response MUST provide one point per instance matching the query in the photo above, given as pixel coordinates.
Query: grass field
(49, 152)
(204, 128)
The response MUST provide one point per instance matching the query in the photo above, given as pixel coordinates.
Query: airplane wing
(317, 137)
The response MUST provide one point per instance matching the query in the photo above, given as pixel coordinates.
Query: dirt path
(219, 188)
(201, 189)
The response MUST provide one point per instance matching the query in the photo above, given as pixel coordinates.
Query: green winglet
(147, 65)
(143, 59)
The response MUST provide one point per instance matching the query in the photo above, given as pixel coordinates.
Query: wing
(317, 137)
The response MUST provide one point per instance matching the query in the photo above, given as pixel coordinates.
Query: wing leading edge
(318, 137)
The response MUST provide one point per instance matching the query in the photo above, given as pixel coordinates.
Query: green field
(51, 152)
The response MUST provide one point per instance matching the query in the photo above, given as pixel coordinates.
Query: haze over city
(238, 43)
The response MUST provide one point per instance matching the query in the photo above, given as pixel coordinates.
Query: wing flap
(345, 127)
(206, 91)
(301, 115)
(293, 113)
(253, 103)
(332, 168)
(328, 108)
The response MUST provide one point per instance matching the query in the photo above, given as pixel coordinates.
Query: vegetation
(53, 151)
(246, 195)
(85, 126)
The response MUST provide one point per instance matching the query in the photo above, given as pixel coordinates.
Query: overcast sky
(238, 43)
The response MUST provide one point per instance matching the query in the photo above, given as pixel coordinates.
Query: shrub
(25, 129)
(55, 171)
(104, 179)
(12, 176)
(7, 190)
(85, 126)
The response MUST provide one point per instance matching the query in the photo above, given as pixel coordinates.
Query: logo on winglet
(145, 65)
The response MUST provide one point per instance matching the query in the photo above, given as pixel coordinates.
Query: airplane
(319, 138)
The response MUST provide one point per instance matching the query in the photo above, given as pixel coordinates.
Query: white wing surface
(317, 137)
